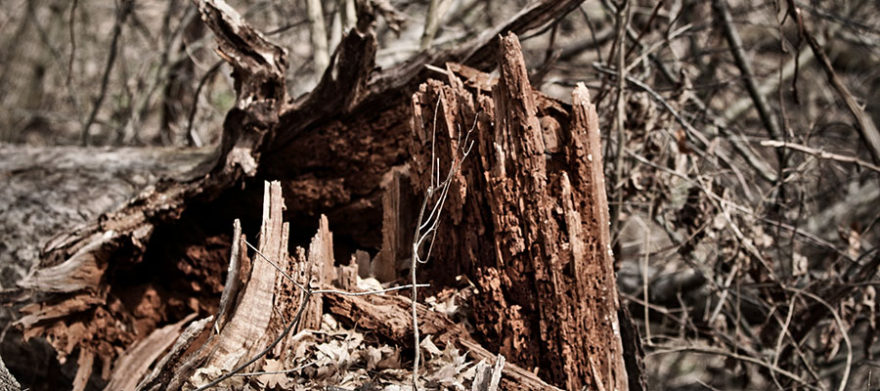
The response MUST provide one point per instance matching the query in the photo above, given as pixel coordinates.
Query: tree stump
(527, 216)
(528, 220)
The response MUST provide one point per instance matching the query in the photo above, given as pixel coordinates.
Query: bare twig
(736, 48)
(822, 154)
(426, 227)
(866, 127)
(319, 35)
(735, 356)
(787, 71)
(799, 232)
(192, 136)
(840, 327)
(692, 133)
(122, 11)
(595, 41)
(620, 111)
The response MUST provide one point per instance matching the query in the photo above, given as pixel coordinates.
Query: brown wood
(397, 219)
(529, 223)
(269, 299)
(528, 213)
(77, 262)
(390, 317)
(137, 360)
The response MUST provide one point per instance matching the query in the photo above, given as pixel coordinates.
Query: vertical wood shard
(598, 283)
(532, 228)
(320, 259)
(250, 320)
(269, 299)
(397, 218)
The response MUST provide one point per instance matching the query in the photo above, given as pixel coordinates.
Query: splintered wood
(249, 323)
(526, 221)
(270, 299)
(529, 220)
(89, 311)
(256, 315)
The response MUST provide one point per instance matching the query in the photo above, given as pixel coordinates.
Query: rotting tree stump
(529, 220)
(527, 216)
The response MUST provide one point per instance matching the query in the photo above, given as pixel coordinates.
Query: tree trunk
(528, 218)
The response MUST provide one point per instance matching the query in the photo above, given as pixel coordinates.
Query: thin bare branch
(123, 10)
(822, 154)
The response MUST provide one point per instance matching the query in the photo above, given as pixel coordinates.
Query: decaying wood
(530, 224)
(137, 360)
(233, 276)
(77, 262)
(249, 323)
(488, 378)
(323, 273)
(242, 337)
(389, 316)
(347, 275)
(51, 193)
(166, 372)
(84, 368)
(397, 216)
(520, 212)
(259, 316)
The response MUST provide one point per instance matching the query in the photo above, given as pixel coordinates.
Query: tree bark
(529, 221)
(528, 214)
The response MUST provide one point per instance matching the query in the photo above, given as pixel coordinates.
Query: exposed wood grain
(137, 360)
(397, 220)
(326, 129)
(78, 260)
(249, 322)
(171, 363)
(258, 318)
(84, 364)
(529, 222)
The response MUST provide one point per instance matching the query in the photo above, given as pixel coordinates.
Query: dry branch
(822, 154)
(866, 127)
(736, 48)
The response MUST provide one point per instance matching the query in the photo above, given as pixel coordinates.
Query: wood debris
(527, 225)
